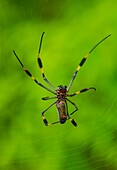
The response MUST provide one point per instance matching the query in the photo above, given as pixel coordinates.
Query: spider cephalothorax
(61, 91)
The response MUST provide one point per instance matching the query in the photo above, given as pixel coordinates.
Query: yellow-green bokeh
(72, 29)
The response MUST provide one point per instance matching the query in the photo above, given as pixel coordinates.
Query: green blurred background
(72, 29)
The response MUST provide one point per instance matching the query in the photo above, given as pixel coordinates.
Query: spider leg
(30, 75)
(83, 61)
(76, 108)
(40, 64)
(69, 118)
(43, 117)
(48, 98)
(81, 91)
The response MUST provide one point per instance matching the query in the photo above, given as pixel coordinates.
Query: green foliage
(72, 29)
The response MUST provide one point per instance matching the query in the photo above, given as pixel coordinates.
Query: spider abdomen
(61, 107)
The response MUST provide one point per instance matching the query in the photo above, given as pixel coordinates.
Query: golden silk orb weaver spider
(61, 92)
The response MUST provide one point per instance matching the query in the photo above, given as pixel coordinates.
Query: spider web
(72, 28)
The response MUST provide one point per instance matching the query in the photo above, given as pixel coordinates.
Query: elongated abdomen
(61, 107)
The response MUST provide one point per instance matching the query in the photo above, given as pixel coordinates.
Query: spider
(61, 92)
